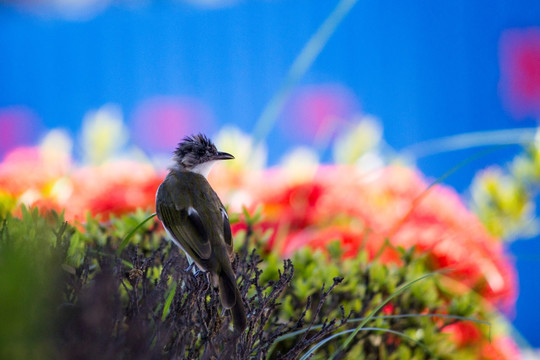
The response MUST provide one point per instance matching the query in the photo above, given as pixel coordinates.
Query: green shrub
(71, 293)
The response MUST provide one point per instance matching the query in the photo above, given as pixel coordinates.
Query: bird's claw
(196, 271)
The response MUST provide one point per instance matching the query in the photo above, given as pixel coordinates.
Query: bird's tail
(232, 299)
(238, 313)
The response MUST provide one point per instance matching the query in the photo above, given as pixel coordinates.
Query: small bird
(197, 221)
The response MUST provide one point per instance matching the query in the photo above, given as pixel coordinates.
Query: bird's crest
(194, 150)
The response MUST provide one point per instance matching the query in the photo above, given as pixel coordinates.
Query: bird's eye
(201, 152)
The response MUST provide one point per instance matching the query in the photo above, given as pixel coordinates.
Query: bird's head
(198, 154)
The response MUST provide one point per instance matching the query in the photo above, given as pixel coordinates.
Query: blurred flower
(467, 334)
(230, 179)
(315, 112)
(20, 127)
(520, 71)
(500, 348)
(358, 141)
(46, 176)
(30, 170)
(300, 164)
(504, 197)
(464, 333)
(56, 146)
(161, 121)
(525, 168)
(502, 204)
(103, 134)
(247, 154)
(112, 188)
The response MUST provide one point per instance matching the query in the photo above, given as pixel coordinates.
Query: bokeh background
(424, 70)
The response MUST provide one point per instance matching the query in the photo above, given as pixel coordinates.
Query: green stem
(301, 64)
(470, 140)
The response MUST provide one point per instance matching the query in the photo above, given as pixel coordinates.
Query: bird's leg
(192, 267)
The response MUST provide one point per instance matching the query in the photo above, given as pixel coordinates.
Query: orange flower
(500, 348)
(113, 188)
(50, 181)
(29, 169)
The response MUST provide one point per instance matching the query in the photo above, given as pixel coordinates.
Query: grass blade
(319, 344)
(470, 140)
(128, 237)
(390, 331)
(301, 64)
(168, 302)
(397, 316)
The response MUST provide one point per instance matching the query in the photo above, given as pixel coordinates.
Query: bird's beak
(223, 156)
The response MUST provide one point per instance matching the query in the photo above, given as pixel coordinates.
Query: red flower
(464, 333)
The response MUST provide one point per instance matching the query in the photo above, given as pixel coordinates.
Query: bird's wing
(227, 234)
(185, 225)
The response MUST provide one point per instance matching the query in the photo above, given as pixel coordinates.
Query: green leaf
(169, 300)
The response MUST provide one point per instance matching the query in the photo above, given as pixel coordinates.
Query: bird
(197, 222)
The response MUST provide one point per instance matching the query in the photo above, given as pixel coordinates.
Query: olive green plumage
(197, 222)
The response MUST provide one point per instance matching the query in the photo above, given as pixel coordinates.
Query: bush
(76, 293)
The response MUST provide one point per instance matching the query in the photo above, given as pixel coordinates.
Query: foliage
(88, 302)
(32, 252)
(430, 312)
